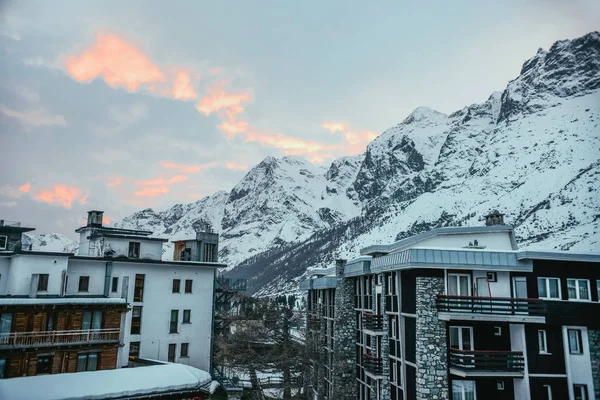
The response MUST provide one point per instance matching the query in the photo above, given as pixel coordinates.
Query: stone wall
(594, 342)
(431, 346)
(344, 374)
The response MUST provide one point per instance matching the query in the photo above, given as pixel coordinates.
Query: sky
(122, 106)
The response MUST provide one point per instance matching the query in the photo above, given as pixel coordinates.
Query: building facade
(117, 287)
(456, 313)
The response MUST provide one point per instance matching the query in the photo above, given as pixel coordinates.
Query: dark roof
(559, 256)
(15, 229)
(44, 253)
(148, 261)
(108, 230)
(154, 239)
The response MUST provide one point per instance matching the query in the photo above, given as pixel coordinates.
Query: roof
(558, 256)
(15, 229)
(389, 248)
(155, 239)
(109, 230)
(206, 264)
(130, 383)
(26, 301)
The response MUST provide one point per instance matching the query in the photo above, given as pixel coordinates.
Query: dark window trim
(579, 341)
(189, 319)
(191, 282)
(115, 284)
(43, 282)
(176, 286)
(84, 284)
(5, 242)
(134, 250)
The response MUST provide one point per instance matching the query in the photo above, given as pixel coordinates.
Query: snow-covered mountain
(531, 151)
(48, 242)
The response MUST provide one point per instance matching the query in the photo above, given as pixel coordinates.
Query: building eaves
(43, 253)
(148, 261)
(153, 239)
(15, 229)
(108, 230)
(558, 256)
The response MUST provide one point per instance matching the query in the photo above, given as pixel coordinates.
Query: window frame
(171, 356)
(138, 289)
(548, 279)
(544, 337)
(191, 282)
(174, 324)
(189, 317)
(137, 354)
(584, 391)
(176, 288)
(137, 319)
(500, 384)
(185, 346)
(577, 289)
(84, 284)
(548, 391)
(5, 237)
(4, 361)
(43, 283)
(87, 361)
(131, 250)
(579, 341)
(463, 391)
(114, 284)
(37, 367)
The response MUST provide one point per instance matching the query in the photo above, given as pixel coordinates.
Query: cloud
(159, 186)
(316, 152)
(228, 105)
(25, 188)
(356, 141)
(235, 166)
(63, 195)
(153, 191)
(105, 220)
(10, 191)
(121, 63)
(189, 169)
(114, 181)
(37, 117)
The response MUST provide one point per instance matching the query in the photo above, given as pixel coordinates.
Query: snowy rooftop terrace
(131, 383)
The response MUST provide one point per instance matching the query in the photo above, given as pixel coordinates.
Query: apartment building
(456, 313)
(118, 288)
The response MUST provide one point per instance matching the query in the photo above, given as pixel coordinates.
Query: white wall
(579, 366)
(93, 269)
(22, 266)
(148, 248)
(518, 343)
(500, 288)
(491, 240)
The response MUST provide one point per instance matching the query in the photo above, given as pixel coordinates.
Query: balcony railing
(372, 322)
(372, 364)
(486, 361)
(490, 305)
(231, 284)
(58, 338)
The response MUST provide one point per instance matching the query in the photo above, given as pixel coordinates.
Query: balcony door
(461, 340)
(520, 292)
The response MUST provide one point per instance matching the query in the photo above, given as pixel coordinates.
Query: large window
(3, 242)
(188, 286)
(184, 349)
(542, 342)
(580, 392)
(91, 320)
(3, 368)
(461, 338)
(134, 350)
(87, 362)
(176, 285)
(174, 321)
(84, 283)
(578, 289)
(138, 291)
(5, 323)
(136, 320)
(549, 288)
(463, 390)
(172, 350)
(186, 316)
(44, 365)
(134, 250)
(459, 284)
(115, 284)
(43, 282)
(51, 319)
(575, 342)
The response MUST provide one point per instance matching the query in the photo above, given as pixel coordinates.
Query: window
(461, 337)
(3, 369)
(134, 249)
(542, 342)
(459, 284)
(547, 392)
(44, 365)
(549, 288)
(578, 289)
(138, 291)
(598, 288)
(492, 276)
(43, 282)
(172, 350)
(134, 350)
(91, 320)
(580, 392)
(87, 362)
(463, 390)
(184, 349)
(188, 286)
(84, 283)
(575, 344)
(136, 320)
(498, 331)
(3, 242)
(115, 284)
(393, 327)
(186, 316)
(174, 320)
(176, 284)
(500, 385)
(394, 372)
(51, 318)
(5, 323)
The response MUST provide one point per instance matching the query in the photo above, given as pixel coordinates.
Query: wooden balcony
(508, 309)
(466, 363)
(372, 322)
(373, 365)
(58, 338)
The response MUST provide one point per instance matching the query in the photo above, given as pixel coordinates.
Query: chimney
(494, 218)
(95, 218)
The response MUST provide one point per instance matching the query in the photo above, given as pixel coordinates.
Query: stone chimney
(494, 218)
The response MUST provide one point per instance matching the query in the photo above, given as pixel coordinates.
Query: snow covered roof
(25, 301)
(558, 256)
(166, 378)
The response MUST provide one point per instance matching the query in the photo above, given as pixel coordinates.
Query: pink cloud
(25, 188)
(336, 126)
(235, 166)
(217, 98)
(356, 141)
(183, 89)
(63, 195)
(189, 169)
(316, 151)
(152, 191)
(177, 178)
(105, 220)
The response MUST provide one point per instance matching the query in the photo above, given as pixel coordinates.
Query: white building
(171, 302)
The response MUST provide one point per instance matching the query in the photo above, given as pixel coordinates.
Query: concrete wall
(594, 348)
(579, 366)
(492, 240)
(500, 288)
(23, 266)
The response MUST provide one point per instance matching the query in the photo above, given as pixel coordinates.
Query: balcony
(472, 363)
(373, 323)
(507, 309)
(373, 365)
(58, 338)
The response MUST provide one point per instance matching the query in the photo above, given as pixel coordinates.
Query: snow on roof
(23, 301)
(95, 385)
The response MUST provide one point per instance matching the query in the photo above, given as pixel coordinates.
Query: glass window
(575, 344)
(542, 342)
(549, 288)
(86, 320)
(138, 292)
(174, 320)
(188, 286)
(184, 349)
(3, 368)
(87, 362)
(97, 320)
(84, 283)
(598, 288)
(547, 392)
(463, 390)
(3, 242)
(136, 320)
(5, 323)
(461, 338)
(459, 285)
(176, 284)
(44, 365)
(186, 316)
(578, 289)
(580, 392)
(51, 319)
(43, 282)
(134, 350)
(172, 349)
(134, 249)
(115, 284)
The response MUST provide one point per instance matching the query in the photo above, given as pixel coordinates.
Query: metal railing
(231, 284)
(486, 360)
(490, 305)
(372, 322)
(372, 364)
(57, 338)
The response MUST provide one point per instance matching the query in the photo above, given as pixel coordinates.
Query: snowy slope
(531, 151)
(54, 242)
